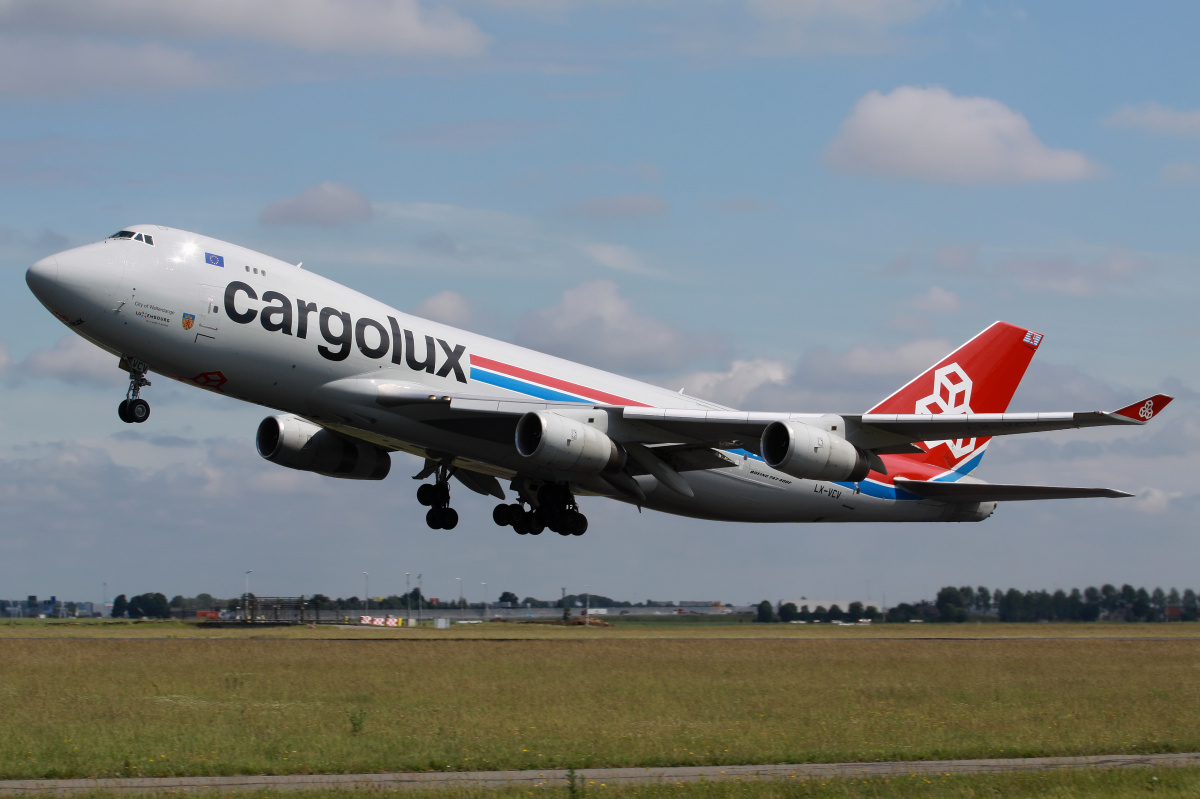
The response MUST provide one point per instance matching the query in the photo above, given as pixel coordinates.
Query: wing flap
(996, 492)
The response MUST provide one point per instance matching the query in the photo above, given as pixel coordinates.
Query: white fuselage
(274, 334)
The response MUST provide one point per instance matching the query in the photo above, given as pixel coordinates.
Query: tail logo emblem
(1147, 410)
(951, 394)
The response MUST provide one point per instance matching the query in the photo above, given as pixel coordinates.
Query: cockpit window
(129, 234)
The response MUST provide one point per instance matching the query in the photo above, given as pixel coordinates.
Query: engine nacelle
(560, 442)
(811, 453)
(299, 444)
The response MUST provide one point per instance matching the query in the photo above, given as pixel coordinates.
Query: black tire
(500, 515)
(518, 521)
(138, 411)
(425, 495)
(579, 524)
(441, 495)
(123, 412)
(434, 518)
(535, 525)
(449, 518)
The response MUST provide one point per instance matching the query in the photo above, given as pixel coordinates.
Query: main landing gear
(133, 408)
(436, 496)
(556, 509)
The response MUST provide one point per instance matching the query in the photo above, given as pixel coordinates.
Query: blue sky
(781, 205)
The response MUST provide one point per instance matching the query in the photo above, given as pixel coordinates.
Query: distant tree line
(142, 606)
(1107, 603)
(787, 612)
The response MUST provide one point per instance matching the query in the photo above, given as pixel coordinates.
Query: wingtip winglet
(1143, 411)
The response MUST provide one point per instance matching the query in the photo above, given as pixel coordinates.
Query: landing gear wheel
(133, 409)
(579, 523)
(449, 518)
(535, 525)
(518, 521)
(425, 494)
(501, 516)
(434, 518)
(138, 411)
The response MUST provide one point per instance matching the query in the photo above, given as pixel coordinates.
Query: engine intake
(560, 442)
(299, 444)
(811, 453)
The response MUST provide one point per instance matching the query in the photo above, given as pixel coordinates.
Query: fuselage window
(149, 239)
(124, 234)
(138, 237)
(247, 268)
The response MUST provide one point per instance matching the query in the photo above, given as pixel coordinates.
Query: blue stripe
(522, 387)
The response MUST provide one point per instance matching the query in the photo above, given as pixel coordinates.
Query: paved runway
(611, 776)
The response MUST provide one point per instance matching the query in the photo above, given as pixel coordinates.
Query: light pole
(587, 604)
(246, 596)
(420, 598)
(460, 595)
(483, 613)
(366, 591)
(407, 597)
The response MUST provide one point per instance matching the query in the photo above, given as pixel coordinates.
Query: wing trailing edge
(997, 492)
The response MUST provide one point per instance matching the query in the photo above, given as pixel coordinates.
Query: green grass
(72, 708)
(679, 627)
(1163, 783)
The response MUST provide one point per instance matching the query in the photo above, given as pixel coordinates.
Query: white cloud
(614, 256)
(624, 207)
(1155, 118)
(809, 27)
(1065, 275)
(732, 386)
(930, 134)
(41, 65)
(484, 239)
(390, 27)
(73, 359)
(595, 325)
(324, 205)
(937, 300)
(871, 12)
(447, 307)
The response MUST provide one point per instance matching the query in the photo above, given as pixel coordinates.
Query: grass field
(235, 702)
(643, 627)
(1104, 784)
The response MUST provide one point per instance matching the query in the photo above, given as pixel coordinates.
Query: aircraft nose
(42, 277)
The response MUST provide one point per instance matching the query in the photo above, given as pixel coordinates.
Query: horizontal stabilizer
(993, 492)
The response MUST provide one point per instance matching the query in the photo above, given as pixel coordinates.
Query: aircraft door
(209, 315)
(210, 307)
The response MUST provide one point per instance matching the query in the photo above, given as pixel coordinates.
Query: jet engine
(811, 453)
(299, 444)
(560, 442)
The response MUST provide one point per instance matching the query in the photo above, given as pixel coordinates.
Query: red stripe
(553, 382)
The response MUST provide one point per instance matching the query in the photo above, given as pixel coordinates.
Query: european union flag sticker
(215, 260)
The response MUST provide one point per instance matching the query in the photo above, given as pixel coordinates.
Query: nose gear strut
(436, 496)
(133, 408)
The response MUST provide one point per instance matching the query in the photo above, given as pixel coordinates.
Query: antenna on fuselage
(300, 265)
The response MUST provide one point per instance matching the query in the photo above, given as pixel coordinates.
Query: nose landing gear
(436, 497)
(133, 408)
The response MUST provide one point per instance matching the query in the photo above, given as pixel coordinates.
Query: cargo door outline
(210, 314)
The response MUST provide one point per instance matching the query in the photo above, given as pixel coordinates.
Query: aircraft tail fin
(981, 376)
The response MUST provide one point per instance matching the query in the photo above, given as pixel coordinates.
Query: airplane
(353, 380)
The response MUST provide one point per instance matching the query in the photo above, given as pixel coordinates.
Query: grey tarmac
(560, 777)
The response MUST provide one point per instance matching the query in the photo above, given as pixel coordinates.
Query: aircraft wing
(725, 428)
(883, 432)
(964, 491)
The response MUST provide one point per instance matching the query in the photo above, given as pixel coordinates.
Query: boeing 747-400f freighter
(354, 380)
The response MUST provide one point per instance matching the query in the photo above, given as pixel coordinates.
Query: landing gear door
(210, 307)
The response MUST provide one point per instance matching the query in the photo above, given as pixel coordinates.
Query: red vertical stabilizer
(981, 376)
